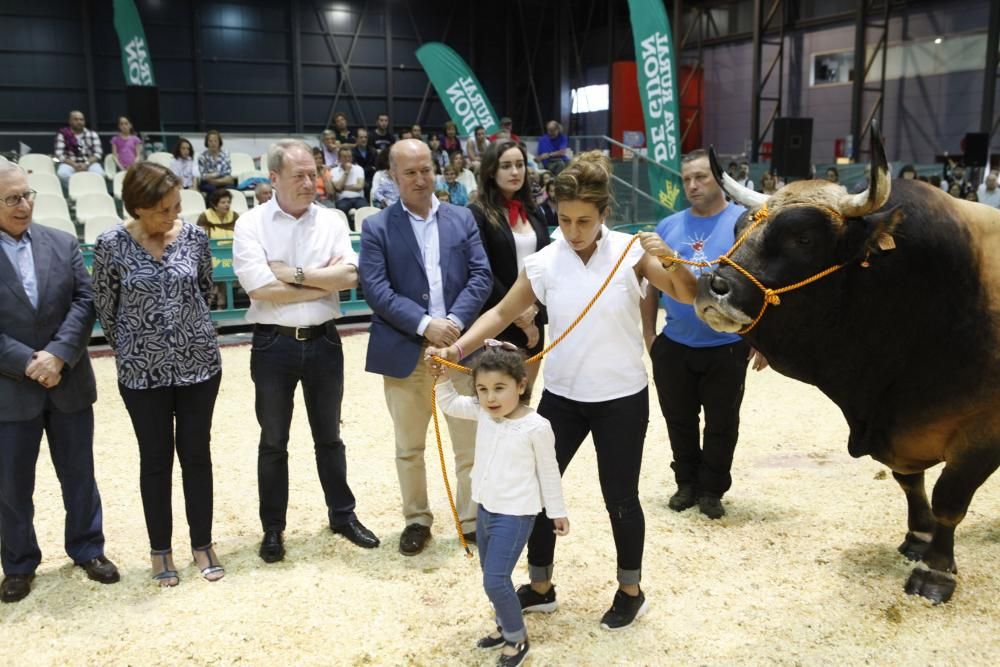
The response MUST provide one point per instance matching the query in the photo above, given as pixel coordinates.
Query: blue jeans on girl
(500, 539)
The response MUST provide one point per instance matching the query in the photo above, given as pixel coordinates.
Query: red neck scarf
(515, 211)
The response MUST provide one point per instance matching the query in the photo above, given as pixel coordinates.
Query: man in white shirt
(989, 193)
(348, 181)
(425, 276)
(293, 257)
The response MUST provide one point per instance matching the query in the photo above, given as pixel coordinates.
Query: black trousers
(164, 419)
(687, 380)
(619, 430)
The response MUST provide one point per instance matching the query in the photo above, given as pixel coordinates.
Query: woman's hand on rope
(757, 360)
(532, 333)
(561, 526)
(527, 318)
(654, 245)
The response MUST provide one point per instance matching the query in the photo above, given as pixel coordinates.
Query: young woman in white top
(595, 381)
(514, 476)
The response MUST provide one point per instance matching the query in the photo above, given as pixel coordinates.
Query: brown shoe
(414, 538)
(15, 587)
(101, 570)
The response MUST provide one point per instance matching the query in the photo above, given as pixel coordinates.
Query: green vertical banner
(458, 88)
(655, 65)
(136, 62)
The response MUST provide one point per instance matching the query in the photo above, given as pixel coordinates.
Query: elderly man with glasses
(46, 384)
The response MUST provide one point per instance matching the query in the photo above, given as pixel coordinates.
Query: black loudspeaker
(792, 149)
(143, 108)
(976, 147)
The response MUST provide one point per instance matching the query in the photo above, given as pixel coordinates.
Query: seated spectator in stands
(381, 136)
(465, 177)
(438, 154)
(475, 146)
(405, 133)
(833, 175)
(348, 181)
(988, 192)
(126, 146)
(955, 173)
(324, 184)
(733, 169)
(213, 164)
(549, 207)
(341, 132)
(862, 183)
(77, 149)
(506, 131)
(971, 196)
(443, 196)
(955, 190)
(219, 219)
(743, 174)
(385, 192)
(450, 141)
(934, 180)
(262, 193)
(458, 195)
(364, 156)
(184, 166)
(553, 148)
(539, 188)
(768, 183)
(908, 171)
(328, 142)
(417, 132)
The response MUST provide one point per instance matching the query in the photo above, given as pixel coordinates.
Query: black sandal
(213, 567)
(491, 642)
(164, 576)
(518, 658)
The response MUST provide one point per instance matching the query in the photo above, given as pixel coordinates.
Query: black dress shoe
(355, 531)
(414, 539)
(272, 548)
(15, 587)
(101, 570)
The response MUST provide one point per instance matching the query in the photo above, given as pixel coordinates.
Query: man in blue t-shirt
(695, 367)
(553, 148)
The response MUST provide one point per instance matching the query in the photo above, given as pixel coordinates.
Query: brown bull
(902, 334)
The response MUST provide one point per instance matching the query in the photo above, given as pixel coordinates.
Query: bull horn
(738, 193)
(879, 184)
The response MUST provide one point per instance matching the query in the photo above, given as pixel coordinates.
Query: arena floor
(802, 570)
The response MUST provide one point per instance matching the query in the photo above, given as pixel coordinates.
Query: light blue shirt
(19, 254)
(426, 231)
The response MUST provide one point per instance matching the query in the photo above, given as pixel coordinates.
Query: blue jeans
(500, 539)
(278, 363)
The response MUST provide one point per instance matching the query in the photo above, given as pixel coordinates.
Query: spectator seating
(162, 158)
(39, 162)
(116, 184)
(192, 202)
(240, 163)
(190, 217)
(94, 205)
(376, 179)
(239, 202)
(361, 213)
(41, 182)
(96, 225)
(62, 224)
(110, 166)
(85, 183)
(51, 206)
(253, 173)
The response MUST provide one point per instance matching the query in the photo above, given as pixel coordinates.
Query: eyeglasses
(14, 200)
(493, 342)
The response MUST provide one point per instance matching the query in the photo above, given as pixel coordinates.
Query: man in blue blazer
(46, 383)
(426, 277)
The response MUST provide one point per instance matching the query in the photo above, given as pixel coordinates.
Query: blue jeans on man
(278, 363)
(500, 539)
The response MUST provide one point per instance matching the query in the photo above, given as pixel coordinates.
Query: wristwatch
(300, 275)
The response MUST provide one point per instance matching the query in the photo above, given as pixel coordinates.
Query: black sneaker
(517, 658)
(685, 497)
(624, 610)
(711, 506)
(533, 601)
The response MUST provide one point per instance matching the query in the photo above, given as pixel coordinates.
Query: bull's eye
(803, 239)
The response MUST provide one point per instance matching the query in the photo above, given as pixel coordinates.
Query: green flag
(458, 88)
(656, 65)
(136, 62)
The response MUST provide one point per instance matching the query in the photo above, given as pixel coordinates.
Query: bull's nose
(718, 285)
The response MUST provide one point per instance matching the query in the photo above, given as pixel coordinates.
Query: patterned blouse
(217, 164)
(155, 313)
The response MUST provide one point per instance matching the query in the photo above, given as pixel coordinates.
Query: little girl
(514, 476)
(126, 146)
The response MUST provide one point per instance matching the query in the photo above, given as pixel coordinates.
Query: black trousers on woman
(619, 430)
(164, 419)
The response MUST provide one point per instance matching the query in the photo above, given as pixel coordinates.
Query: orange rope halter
(771, 298)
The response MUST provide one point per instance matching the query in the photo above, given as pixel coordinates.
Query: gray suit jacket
(61, 325)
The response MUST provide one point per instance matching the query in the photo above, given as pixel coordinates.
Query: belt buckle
(300, 337)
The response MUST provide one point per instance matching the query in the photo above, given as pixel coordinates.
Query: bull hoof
(913, 547)
(935, 585)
